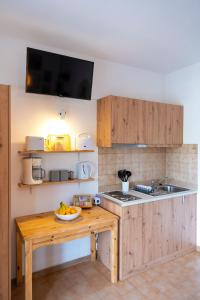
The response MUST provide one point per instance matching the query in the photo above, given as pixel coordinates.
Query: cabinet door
(128, 121)
(130, 248)
(161, 229)
(150, 232)
(119, 120)
(104, 122)
(4, 194)
(174, 133)
(155, 115)
(189, 221)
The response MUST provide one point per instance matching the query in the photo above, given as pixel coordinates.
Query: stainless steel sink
(167, 189)
(162, 189)
(173, 189)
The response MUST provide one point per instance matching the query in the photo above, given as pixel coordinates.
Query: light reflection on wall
(57, 126)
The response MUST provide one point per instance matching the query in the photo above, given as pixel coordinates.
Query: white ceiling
(157, 35)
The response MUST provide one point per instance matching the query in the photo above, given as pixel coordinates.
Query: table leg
(19, 258)
(28, 270)
(93, 246)
(114, 253)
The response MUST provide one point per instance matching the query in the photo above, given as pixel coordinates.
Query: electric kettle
(85, 170)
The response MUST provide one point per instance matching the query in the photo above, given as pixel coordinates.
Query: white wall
(36, 115)
(183, 87)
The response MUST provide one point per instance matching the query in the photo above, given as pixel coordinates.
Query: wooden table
(45, 229)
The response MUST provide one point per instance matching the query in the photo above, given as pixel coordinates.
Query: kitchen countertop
(144, 198)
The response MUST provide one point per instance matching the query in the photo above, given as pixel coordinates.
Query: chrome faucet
(155, 183)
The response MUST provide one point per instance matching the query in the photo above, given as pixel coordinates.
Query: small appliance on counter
(83, 201)
(97, 200)
(34, 143)
(54, 175)
(84, 142)
(59, 142)
(32, 170)
(61, 175)
(85, 170)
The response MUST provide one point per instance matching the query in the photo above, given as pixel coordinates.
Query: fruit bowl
(69, 217)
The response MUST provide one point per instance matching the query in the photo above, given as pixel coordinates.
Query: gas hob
(122, 197)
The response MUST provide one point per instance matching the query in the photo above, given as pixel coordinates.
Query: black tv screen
(53, 74)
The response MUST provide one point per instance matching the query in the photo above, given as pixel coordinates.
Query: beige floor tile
(134, 295)
(176, 280)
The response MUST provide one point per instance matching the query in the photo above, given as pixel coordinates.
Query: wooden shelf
(22, 185)
(51, 152)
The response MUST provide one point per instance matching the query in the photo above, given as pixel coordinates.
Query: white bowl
(69, 217)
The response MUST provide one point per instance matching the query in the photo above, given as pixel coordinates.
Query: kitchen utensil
(69, 217)
(64, 175)
(84, 142)
(85, 170)
(59, 142)
(71, 175)
(125, 187)
(54, 175)
(32, 170)
(121, 174)
(34, 143)
(124, 175)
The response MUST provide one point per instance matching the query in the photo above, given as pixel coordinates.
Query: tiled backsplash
(146, 164)
(182, 163)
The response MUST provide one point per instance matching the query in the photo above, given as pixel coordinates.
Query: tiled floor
(176, 280)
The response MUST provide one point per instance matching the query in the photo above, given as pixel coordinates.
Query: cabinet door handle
(183, 199)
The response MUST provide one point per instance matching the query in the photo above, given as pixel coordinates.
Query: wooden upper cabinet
(155, 115)
(104, 122)
(129, 121)
(174, 124)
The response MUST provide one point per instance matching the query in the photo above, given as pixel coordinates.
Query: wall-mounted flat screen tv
(58, 75)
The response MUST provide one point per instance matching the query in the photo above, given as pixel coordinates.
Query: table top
(46, 224)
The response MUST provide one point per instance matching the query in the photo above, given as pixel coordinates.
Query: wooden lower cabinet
(151, 233)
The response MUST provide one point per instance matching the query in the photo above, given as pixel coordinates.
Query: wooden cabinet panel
(176, 224)
(132, 211)
(4, 194)
(155, 114)
(174, 123)
(131, 254)
(166, 227)
(136, 122)
(189, 221)
(129, 121)
(151, 233)
(104, 122)
(112, 207)
(152, 122)
(104, 237)
(119, 120)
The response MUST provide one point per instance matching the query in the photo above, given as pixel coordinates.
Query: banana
(64, 209)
